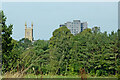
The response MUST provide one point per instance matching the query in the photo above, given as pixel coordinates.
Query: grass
(0, 77)
(69, 76)
(49, 76)
(16, 75)
(9, 75)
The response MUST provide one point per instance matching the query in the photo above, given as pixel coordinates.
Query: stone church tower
(29, 32)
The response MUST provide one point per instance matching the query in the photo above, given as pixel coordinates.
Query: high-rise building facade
(29, 32)
(84, 25)
(76, 26)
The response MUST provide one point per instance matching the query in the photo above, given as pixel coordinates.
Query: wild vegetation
(64, 54)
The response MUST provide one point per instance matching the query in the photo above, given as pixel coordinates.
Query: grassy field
(58, 76)
(49, 76)
(8, 75)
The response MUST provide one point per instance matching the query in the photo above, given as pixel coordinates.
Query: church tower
(29, 32)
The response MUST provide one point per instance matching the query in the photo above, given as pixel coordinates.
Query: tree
(7, 46)
(41, 49)
(0, 41)
(118, 55)
(94, 51)
(96, 29)
(24, 44)
(59, 50)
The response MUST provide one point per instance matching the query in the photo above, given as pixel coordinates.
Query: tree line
(64, 54)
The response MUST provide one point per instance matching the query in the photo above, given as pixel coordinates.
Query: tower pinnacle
(25, 25)
(32, 25)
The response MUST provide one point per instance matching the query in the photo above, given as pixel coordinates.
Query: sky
(60, 0)
(47, 16)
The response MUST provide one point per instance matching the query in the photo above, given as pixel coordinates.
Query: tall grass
(11, 75)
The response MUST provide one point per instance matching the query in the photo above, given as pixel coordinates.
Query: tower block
(29, 32)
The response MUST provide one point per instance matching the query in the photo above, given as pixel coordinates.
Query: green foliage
(0, 39)
(118, 56)
(8, 58)
(24, 43)
(41, 50)
(59, 47)
(63, 54)
(96, 29)
(98, 72)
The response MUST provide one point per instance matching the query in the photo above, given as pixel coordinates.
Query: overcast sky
(46, 16)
